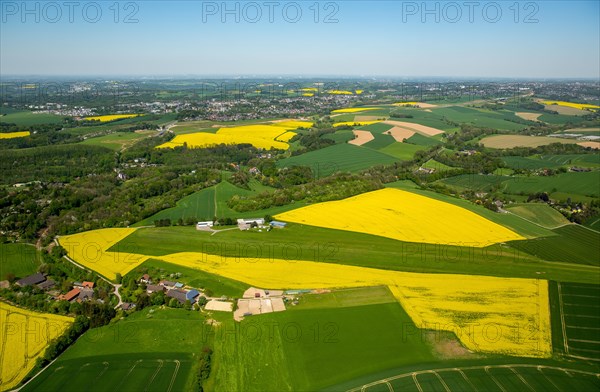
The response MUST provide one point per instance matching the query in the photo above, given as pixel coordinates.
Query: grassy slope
(540, 214)
(340, 157)
(19, 259)
(585, 184)
(210, 202)
(27, 118)
(140, 336)
(573, 243)
(402, 151)
(308, 349)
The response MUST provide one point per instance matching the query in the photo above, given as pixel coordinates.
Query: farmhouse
(167, 283)
(85, 293)
(145, 279)
(88, 285)
(70, 296)
(127, 306)
(179, 295)
(31, 280)
(154, 288)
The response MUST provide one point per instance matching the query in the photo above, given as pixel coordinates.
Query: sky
(527, 39)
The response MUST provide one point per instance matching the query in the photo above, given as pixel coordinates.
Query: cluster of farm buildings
(245, 224)
(81, 291)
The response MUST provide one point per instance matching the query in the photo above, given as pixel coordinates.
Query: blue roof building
(278, 224)
(178, 285)
(190, 295)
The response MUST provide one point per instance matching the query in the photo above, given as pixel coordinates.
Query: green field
(579, 309)
(402, 151)
(572, 244)
(212, 202)
(482, 118)
(132, 354)
(476, 182)
(585, 184)
(483, 375)
(438, 166)
(18, 259)
(572, 159)
(380, 141)
(117, 141)
(376, 128)
(27, 118)
(342, 136)
(308, 349)
(516, 162)
(541, 214)
(338, 158)
(421, 140)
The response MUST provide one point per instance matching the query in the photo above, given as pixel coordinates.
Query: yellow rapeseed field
(313, 89)
(260, 136)
(404, 216)
(488, 314)
(111, 117)
(354, 123)
(25, 336)
(580, 106)
(12, 135)
(90, 249)
(308, 94)
(340, 92)
(353, 110)
(293, 124)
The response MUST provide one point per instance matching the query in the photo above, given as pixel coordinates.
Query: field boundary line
(540, 369)
(522, 379)
(562, 318)
(177, 363)
(160, 365)
(414, 377)
(441, 381)
(487, 370)
(128, 373)
(464, 376)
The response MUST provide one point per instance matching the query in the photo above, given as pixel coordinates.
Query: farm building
(47, 284)
(88, 285)
(167, 283)
(70, 296)
(246, 224)
(31, 280)
(154, 288)
(204, 225)
(145, 279)
(192, 294)
(178, 285)
(85, 293)
(127, 306)
(179, 295)
(278, 224)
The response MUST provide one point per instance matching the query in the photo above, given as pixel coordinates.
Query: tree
(119, 278)
(143, 300)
